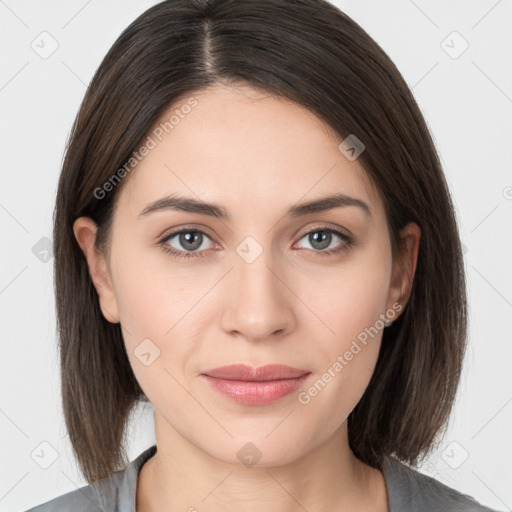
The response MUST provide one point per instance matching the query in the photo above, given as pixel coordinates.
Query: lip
(255, 386)
(260, 373)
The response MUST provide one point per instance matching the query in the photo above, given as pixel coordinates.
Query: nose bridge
(259, 304)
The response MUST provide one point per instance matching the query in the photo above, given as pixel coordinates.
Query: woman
(253, 232)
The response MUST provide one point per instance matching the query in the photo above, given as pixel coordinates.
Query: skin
(256, 155)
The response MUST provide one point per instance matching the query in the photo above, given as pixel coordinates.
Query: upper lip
(255, 374)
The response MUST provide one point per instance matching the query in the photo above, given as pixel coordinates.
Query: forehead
(244, 148)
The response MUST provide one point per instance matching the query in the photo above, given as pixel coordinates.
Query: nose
(259, 304)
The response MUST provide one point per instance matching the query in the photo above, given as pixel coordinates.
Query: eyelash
(184, 255)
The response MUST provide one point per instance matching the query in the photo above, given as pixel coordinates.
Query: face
(258, 286)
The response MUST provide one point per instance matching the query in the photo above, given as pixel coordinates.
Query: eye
(321, 238)
(187, 242)
(190, 243)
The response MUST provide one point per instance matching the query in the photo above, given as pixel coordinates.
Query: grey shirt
(408, 491)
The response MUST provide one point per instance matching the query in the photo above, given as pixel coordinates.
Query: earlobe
(404, 268)
(85, 230)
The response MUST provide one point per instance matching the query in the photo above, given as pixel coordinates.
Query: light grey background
(467, 101)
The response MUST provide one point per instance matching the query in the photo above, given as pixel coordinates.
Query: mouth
(248, 385)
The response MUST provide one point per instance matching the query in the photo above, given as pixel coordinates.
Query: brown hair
(312, 53)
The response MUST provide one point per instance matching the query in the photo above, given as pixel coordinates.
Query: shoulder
(101, 497)
(81, 500)
(115, 493)
(412, 491)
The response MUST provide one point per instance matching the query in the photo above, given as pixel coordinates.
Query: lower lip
(255, 393)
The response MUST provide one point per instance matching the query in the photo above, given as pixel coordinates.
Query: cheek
(348, 304)
(153, 294)
(347, 298)
(158, 324)
(164, 303)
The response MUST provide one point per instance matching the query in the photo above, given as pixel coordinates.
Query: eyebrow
(190, 205)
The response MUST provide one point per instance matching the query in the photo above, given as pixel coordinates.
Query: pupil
(191, 241)
(323, 243)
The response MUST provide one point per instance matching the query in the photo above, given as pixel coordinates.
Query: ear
(85, 230)
(404, 267)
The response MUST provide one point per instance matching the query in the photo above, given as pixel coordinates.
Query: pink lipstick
(248, 385)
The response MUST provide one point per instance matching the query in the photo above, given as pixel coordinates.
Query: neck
(181, 476)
